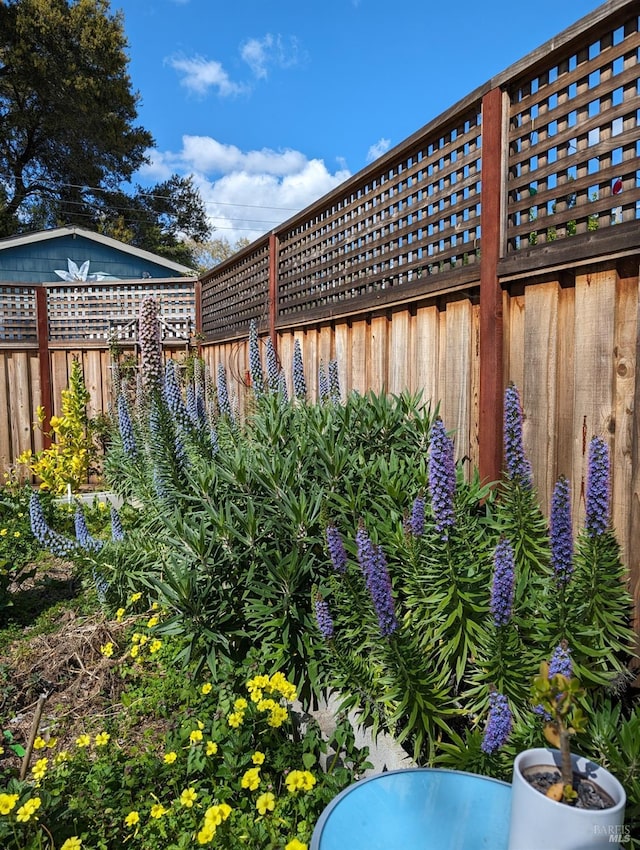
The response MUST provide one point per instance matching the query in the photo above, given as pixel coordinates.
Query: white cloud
(277, 51)
(376, 150)
(200, 74)
(247, 193)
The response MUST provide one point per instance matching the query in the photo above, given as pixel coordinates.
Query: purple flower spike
(150, 344)
(442, 479)
(518, 466)
(503, 587)
(415, 523)
(598, 484)
(499, 724)
(117, 531)
(255, 363)
(336, 549)
(299, 383)
(561, 661)
(126, 428)
(561, 532)
(374, 568)
(323, 619)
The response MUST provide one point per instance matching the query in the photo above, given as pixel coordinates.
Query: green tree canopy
(67, 110)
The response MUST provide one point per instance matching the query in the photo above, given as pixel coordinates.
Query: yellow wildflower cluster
(213, 817)
(276, 684)
(299, 780)
(28, 809)
(251, 778)
(40, 768)
(40, 743)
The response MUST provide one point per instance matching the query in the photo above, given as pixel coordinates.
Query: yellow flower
(240, 704)
(153, 621)
(132, 819)
(52, 742)
(73, 843)
(158, 810)
(206, 834)
(107, 649)
(39, 743)
(251, 778)
(225, 810)
(155, 606)
(134, 651)
(294, 844)
(83, 741)
(299, 780)
(16, 534)
(102, 739)
(212, 748)
(136, 597)
(3, 532)
(135, 637)
(40, 768)
(188, 797)
(155, 646)
(235, 719)
(257, 757)
(7, 803)
(277, 717)
(213, 816)
(102, 506)
(143, 640)
(120, 614)
(206, 688)
(61, 757)
(28, 809)
(266, 803)
(196, 736)
(169, 758)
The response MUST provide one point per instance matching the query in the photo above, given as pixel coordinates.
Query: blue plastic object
(417, 809)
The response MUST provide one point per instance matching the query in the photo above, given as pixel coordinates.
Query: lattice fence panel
(18, 323)
(417, 216)
(107, 311)
(232, 297)
(574, 142)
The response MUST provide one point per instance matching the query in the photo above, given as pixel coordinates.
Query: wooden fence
(43, 328)
(501, 242)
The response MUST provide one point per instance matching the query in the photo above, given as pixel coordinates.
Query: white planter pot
(539, 822)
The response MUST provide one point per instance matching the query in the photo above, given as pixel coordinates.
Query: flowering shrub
(68, 460)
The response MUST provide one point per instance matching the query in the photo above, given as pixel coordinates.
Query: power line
(170, 198)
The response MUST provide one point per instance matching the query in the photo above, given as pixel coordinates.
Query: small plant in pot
(560, 799)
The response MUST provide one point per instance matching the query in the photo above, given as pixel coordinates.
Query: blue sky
(271, 105)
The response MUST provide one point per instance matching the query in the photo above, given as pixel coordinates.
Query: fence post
(273, 287)
(491, 355)
(42, 322)
(197, 298)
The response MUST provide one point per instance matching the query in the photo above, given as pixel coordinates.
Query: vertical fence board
(19, 394)
(379, 355)
(285, 347)
(311, 363)
(626, 332)
(594, 343)
(35, 400)
(359, 334)
(399, 347)
(539, 390)
(341, 335)
(514, 339)
(425, 353)
(92, 369)
(565, 387)
(456, 413)
(59, 378)
(325, 347)
(474, 391)
(6, 452)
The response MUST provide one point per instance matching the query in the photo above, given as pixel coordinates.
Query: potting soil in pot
(590, 795)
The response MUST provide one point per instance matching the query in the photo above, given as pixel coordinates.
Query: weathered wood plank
(457, 407)
(594, 383)
(565, 377)
(6, 451)
(626, 333)
(474, 392)
(59, 378)
(425, 345)
(514, 340)
(359, 339)
(36, 396)
(342, 342)
(539, 390)
(399, 347)
(92, 370)
(22, 415)
(379, 354)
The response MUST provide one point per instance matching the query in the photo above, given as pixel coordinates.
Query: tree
(212, 252)
(67, 111)
(168, 219)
